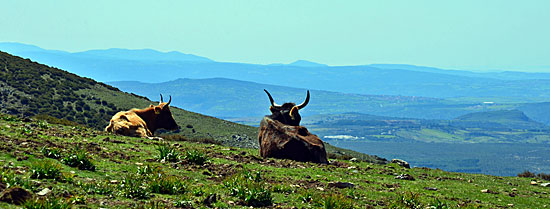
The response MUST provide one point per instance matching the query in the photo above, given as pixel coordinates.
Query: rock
(489, 191)
(545, 184)
(210, 199)
(290, 142)
(401, 163)
(430, 188)
(341, 185)
(44, 192)
(353, 160)
(15, 195)
(2, 186)
(405, 177)
(534, 183)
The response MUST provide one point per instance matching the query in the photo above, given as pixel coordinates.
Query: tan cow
(143, 122)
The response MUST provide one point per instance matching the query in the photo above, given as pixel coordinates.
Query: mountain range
(153, 67)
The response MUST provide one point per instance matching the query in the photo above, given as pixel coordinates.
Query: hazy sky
(465, 34)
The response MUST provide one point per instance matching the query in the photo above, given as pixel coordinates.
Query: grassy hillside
(31, 89)
(136, 173)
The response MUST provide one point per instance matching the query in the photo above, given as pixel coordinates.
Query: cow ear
(271, 108)
(157, 110)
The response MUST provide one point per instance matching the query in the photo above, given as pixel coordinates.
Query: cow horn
(170, 100)
(271, 100)
(300, 106)
(160, 98)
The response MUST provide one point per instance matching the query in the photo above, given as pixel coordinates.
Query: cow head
(288, 112)
(164, 117)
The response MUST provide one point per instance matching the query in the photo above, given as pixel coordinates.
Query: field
(126, 172)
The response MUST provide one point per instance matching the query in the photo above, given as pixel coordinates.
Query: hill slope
(28, 88)
(130, 173)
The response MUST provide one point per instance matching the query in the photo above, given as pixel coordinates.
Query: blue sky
(466, 34)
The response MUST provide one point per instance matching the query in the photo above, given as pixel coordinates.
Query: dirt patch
(15, 195)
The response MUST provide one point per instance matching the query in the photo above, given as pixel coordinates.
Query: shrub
(282, 188)
(9, 118)
(336, 202)
(167, 185)
(526, 174)
(51, 152)
(306, 196)
(177, 137)
(195, 157)
(133, 186)
(79, 159)
(100, 188)
(54, 120)
(437, 204)
(167, 153)
(43, 124)
(46, 170)
(183, 204)
(50, 203)
(407, 200)
(544, 176)
(248, 187)
(148, 170)
(11, 179)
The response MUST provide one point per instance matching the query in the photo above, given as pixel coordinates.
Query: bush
(167, 153)
(54, 120)
(79, 159)
(544, 176)
(248, 187)
(51, 203)
(336, 202)
(437, 204)
(195, 157)
(148, 170)
(407, 200)
(133, 186)
(167, 185)
(176, 137)
(100, 188)
(11, 179)
(46, 170)
(51, 152)
(526, 174)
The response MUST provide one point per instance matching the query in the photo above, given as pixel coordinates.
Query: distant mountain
(143, 54)
(109, 65)
(305, 63)
(228, 98)
(503, 75)
(31, 51)
(495, 116)
(513, 119)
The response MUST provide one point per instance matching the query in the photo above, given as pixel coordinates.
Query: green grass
(129, 175)
(46, 170)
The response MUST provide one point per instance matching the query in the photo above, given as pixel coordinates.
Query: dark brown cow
(288, 112)
(143, 122)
